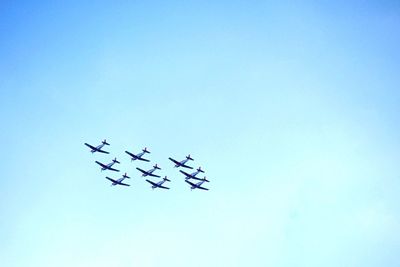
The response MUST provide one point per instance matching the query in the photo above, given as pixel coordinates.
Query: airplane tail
(156, 167)
(105, 142)
(189, 158)
(200, 170)
(145, 150)
(205, 179)
(115, 160)
(126, 176)
(165, 179)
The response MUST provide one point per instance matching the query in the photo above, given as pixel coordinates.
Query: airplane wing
(112, 180)
(130, 154)
(90, 146)
(142, 171)
(153, 183)
(174, 161)
(195, 185)
(147, 173)
(101, 164)
(189, 182)
(199, 187)
(120, 183)
(117, 182)
(185, 166)
(186, 174)
(154, 175)
(142, 159)
(112, 169)
(199, 179)
(157, 185)
(102, 151)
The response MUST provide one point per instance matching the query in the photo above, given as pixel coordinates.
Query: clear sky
(291, 107)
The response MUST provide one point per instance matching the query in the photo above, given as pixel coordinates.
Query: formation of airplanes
(189, 177)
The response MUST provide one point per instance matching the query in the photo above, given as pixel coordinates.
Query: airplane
(149, 172)
(109, 165)
(198, 185)
(138, 156)
(182, 163)
(192, 175)
(99, 147)
(119, 181)
(159, 184)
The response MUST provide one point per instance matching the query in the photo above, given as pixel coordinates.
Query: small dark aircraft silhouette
(99, 147)
(109, 165)
(159, 184)
(138, 156)
(119, 181)
(198, 185)
(182, 163)
(149, 172)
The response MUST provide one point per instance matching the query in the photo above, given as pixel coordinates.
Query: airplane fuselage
(99, 147)
(119, 181)
(108, 166)
(198, 184)
(158, 184)
(149, 172)
(182, 163)
(192, 175)
(140, 155)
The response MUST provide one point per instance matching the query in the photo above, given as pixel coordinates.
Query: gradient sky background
(291, 108)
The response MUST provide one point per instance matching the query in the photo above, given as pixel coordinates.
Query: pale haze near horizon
(291, 109)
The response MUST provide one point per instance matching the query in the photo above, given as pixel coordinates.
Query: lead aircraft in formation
(139, 157)
(198, 185)
(149, 172)
(159, 184)
(99, 147)
(182, 163)
(192, 175)
(119, 181)
(109, 165)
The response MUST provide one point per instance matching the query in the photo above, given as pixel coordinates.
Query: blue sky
(290, 108)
